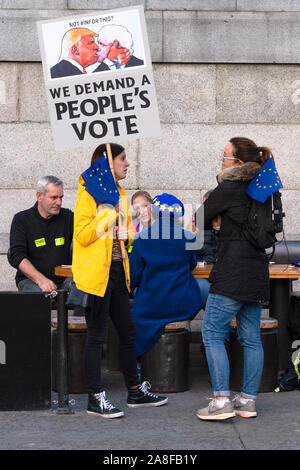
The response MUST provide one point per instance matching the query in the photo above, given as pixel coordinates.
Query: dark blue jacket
(133, 62)
(209, 249)
(160, 269)
(64, 68)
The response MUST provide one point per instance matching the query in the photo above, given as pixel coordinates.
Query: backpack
(293, 323)
(264, 221)
(290, 380)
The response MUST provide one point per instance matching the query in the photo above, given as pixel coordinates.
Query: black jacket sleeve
(17, 242)
(218, 202)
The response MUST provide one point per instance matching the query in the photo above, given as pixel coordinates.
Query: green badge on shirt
(40, 242)
(59, 241)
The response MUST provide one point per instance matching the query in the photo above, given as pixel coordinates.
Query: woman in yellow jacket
(99, 270)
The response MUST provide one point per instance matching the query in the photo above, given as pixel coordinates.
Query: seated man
(40, 239)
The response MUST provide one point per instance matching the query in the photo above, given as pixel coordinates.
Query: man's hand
(121, 55)
(216, 223)
(46, 285)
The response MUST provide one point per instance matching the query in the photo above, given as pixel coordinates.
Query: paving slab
(173, 427)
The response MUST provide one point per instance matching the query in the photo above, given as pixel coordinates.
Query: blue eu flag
(100, 183)
(265, 183)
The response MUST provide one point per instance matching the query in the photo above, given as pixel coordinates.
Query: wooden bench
(166, 365)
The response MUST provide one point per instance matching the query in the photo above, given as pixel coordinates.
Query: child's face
(142, 209)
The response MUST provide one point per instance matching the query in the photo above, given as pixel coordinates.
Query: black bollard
(62, 354)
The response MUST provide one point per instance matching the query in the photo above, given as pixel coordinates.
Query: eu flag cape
(100, 183)
(265, 183)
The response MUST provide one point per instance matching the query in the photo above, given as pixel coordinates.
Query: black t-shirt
(46, 243)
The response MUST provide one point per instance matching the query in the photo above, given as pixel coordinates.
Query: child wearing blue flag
(161, 263)
(102, 210)
(239, 281)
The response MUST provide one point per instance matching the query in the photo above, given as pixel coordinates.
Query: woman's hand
(122, 233)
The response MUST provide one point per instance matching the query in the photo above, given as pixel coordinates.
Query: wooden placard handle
(111, 166)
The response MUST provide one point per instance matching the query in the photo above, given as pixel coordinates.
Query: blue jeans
(27, 285)
(219, 312)
(204, 285)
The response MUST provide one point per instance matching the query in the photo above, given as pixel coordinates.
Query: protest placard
(98, 77)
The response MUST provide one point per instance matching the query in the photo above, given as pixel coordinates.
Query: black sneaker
(138, 397)
(99, 405)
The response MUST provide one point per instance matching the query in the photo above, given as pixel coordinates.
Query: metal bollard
(62, 354)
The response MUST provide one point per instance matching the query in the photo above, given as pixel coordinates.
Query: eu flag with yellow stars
(100, 183)
(265, 183)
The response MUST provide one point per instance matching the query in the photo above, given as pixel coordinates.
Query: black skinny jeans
(114, 304)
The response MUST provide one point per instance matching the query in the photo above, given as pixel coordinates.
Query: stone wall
(222, 68)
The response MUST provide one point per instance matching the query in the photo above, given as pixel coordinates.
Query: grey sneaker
(245, 411)
(212, 412)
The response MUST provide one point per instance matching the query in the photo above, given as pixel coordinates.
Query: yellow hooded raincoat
(93, 240)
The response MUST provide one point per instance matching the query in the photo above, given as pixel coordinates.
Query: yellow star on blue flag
(100, 183)
(167, 204)
(265, 183)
